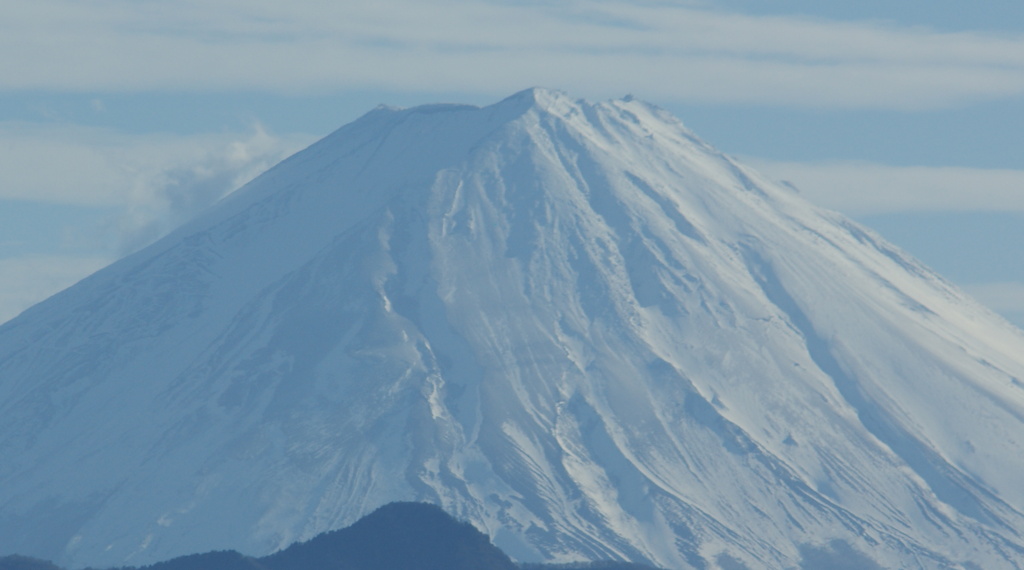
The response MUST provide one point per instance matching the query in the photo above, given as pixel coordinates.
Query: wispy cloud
(666, 50)
(169, 197)
(154, 181)
(150, 183)
(862, 188)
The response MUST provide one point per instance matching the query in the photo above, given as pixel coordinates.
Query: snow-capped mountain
(575, 325)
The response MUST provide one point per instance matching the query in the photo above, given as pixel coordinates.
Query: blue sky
(122, 118)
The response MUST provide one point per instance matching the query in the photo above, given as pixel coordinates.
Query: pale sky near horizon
(121, 118)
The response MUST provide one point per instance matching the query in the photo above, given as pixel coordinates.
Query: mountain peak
(541, 97)
(571, 324)
(534, 98)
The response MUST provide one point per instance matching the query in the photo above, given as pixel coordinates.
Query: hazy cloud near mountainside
(657, 49)
(155, 182)
(72, 164)
(178, 193)
(867, 189)
(860, 188)
(150, 183)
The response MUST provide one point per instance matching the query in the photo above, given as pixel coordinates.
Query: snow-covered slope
(574, 324)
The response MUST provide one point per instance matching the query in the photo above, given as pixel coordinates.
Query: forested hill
(398, 536)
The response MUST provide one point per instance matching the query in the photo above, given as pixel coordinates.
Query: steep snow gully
(575, 325)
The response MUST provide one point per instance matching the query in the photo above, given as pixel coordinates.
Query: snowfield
(575, 325)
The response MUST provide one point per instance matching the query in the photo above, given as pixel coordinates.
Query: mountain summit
(575, 325)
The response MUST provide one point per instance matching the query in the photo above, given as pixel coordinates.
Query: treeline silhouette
(398, 536)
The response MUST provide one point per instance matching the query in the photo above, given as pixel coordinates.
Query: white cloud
(151, 182)
(164, 199)
(862, 188)
(70, 164)
(27, 280)
(154, 181)
(657, 49)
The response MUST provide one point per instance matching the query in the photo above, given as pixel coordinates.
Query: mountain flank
(575, 325)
